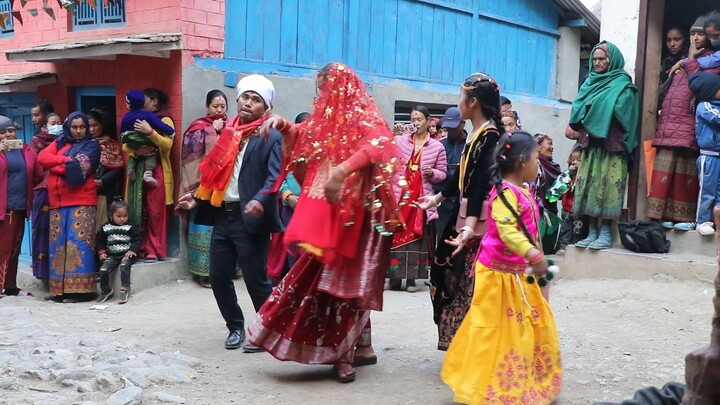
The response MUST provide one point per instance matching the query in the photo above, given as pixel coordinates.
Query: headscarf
(85, 152)
(258, 84)
(704, 85)
(6, 123)
(344, 121)
(608, 95)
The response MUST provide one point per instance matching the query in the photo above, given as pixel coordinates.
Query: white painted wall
(619, 25)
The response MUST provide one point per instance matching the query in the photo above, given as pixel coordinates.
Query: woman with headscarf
(19, 174)
(345, 160)
(604, 121)
(109, 175)
(549, 170)
(72, 160)
(200, 137)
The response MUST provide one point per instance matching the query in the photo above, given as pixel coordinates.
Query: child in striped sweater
(118, 243)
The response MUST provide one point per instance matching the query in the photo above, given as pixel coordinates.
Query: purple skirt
(40, 219)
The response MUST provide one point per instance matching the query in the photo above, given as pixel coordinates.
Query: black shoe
(54, 298)
(251, 348)
(235, 340)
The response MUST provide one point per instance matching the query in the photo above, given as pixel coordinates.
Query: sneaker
(667, 224)
(124, 295)
(105, 295)
(560, 252)
(706, 229)
(685, 226)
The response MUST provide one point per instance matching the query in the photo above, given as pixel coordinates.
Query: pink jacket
(34, 177)
(433, 155)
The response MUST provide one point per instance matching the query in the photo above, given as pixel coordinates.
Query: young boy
(135, 101)
(572, 226)
(118, 243)
(706, 87)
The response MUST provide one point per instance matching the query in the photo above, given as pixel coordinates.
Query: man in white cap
(241, 206)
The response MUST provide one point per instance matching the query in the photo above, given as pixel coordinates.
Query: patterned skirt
(412, 261)
(72, 249)
(198, 247)
(507, 348)
(674, 187)
(601, 182)
(40, 221)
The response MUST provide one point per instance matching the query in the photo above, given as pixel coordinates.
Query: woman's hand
(219, 124)
(145, 151)
(677, 66)
(693, 53)
(143, 127)
(398, 129)
(292, 201)
(428, 201)
(427, 171)
(334, 184)
(3, 147)
(462, 238)
(274, 121)
(186, 202)
(540, 268)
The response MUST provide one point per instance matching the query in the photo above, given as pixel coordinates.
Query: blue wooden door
(17, 107)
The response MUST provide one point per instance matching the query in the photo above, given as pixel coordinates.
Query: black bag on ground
(643, 237)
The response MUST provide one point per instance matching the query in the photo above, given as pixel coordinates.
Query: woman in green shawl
(604, 121)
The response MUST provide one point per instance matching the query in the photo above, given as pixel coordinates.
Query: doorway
(96, 98)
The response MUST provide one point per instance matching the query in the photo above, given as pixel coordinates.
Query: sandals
(204, 282)
(344, 373)
(365, 361)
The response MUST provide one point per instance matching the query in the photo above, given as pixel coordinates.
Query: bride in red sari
(345, 159)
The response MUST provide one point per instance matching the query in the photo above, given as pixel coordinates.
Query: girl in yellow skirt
(506, 350)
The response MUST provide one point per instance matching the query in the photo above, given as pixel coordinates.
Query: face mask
(715, 43)
(54, 129)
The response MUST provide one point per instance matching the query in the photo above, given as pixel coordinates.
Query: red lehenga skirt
(318, 311)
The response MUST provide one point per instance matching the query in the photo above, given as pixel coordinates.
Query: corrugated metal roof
(575, 9)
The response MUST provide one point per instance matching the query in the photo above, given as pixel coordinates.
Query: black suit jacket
(260, 168)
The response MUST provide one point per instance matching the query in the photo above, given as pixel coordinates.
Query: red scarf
(413, 216)
(217, 167)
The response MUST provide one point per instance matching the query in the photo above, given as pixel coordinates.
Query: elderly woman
(109, 174)
(604, 120)
(424, 164)
(72, 160)
(19, 173)
(198, 140)
(148, 204)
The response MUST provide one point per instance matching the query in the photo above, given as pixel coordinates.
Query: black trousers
(445, 214)
(231, 243)
(112, 263)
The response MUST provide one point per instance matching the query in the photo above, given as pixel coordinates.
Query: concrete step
(691, 242)
(619, 263)
(144, 275)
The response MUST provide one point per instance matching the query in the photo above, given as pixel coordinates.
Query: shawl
(197, 141)
(110, 153)
(85, 152)
(345, 122)
(217, 167)
(604, 96)
(41, 140)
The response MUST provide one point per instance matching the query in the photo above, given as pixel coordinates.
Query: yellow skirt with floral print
(506, 350)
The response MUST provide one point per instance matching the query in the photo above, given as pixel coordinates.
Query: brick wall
(203, 25)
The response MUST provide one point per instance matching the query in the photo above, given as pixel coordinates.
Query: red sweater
(59, 192)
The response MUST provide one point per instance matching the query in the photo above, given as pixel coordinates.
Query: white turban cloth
(258, 84)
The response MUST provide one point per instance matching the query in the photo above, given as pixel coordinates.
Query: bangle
(435, 201)
(287, 197)
(467, 228)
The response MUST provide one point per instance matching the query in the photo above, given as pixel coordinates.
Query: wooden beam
(94, 51)
(577, 23)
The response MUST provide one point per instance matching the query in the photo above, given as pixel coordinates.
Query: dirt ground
(616, 335)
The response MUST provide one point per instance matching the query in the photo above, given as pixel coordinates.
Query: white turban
(258, 84)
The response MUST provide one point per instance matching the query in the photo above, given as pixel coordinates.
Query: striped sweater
(116, 240)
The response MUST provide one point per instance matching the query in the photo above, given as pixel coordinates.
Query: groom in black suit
(248, 214)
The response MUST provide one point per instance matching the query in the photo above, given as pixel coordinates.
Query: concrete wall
(294, 95)
(619, 25)
(568, 62)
